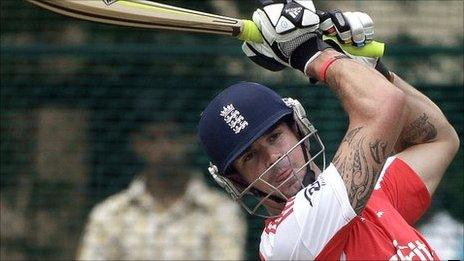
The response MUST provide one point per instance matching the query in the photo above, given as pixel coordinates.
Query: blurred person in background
(13, 231)
(167, 212)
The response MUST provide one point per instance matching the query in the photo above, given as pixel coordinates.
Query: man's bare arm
(375, 111)
(428, 143)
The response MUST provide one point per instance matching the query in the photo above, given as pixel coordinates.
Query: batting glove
(290, 33)
(356, 28)
(349, 28)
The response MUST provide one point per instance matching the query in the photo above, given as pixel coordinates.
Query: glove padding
(285, 27)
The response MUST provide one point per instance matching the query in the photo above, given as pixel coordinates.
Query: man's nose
(273, 154)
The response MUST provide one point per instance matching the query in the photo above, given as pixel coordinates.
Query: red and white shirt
(319, 222)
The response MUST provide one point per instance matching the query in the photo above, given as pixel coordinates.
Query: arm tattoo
(359, 164)
(419, 131)
(378, 151)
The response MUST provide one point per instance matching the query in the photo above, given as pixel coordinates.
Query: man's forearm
(362, 90)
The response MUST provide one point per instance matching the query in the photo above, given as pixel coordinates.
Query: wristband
(327, 64)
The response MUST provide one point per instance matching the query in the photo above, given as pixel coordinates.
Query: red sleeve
(405, 190)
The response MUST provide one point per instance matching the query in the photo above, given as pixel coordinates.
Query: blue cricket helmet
(237, 117)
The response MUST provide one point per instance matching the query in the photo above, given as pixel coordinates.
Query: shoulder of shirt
(111, 206)
(330, 170)
(217, 204)
(209, 197)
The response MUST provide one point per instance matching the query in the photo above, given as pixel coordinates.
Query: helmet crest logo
(233, 118)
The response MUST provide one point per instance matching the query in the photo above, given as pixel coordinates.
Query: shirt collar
(195, 194)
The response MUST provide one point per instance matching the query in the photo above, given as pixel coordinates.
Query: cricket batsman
(268, 156)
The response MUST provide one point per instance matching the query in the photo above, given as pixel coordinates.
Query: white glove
(285, 27)
(355, 28)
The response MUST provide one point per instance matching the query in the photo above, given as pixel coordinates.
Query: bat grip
(249, 32)
(372, 49)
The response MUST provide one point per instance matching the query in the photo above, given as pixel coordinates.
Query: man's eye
(274, 136)
(247, 157)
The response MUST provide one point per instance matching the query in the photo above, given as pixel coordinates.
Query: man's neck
(165, 190)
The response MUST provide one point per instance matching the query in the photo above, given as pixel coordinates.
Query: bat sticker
(109, 2)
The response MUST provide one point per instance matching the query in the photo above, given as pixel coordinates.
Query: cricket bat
(148, 14)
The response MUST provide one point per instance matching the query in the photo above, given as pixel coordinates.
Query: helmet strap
(309, 178)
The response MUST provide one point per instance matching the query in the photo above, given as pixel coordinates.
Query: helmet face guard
(236, 118)
(252, 199)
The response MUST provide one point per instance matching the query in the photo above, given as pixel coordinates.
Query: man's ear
(294, 127)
